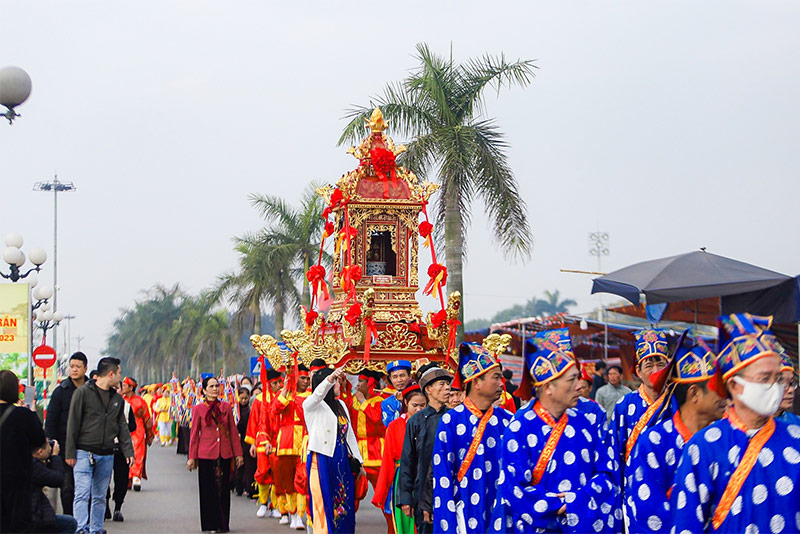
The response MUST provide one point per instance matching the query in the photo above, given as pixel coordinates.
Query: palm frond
(496, 183)
(490, 71)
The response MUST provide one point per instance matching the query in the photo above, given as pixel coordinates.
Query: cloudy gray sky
(671, 125)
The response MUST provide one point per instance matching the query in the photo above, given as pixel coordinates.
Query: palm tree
(265, 277)
(553, 304)
(293, 232)
(441, 108)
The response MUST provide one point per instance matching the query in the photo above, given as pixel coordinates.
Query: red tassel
(369, 323)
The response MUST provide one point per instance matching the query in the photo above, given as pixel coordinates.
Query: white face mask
(764, 399)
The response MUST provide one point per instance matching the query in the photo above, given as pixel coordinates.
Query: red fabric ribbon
(353, 314)
(372, 331)
(336, 198)
(311, 317)
(438, 318)
(350, 275)
(329, 230)
(316, 277)
(383, 161)
(452, 324)
(438, 276)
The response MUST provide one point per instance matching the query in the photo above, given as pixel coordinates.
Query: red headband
(410, 389)
(130, 381)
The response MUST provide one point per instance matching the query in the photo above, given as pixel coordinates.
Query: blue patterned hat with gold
(649, 343)
(550, 356)
(744, 339)
(786, 363)
(691, 363)
(474, 360)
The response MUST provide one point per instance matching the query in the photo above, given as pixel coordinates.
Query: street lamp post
(15, 88)
(56, 187)
(599, 247)
(15, 258)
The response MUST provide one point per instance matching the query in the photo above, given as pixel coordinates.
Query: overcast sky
(670, 125)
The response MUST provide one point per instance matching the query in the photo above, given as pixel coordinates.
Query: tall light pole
(599, 247)
(56, 187)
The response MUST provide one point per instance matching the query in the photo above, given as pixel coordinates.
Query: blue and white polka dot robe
(627, 412)
(469, 503)
(582, 467)
(594, 412)
(769, 500)
(649, 475)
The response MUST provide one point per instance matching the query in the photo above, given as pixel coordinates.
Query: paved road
(169, 502)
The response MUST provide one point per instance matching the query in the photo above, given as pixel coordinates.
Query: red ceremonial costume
(142, 434)
(288, 410)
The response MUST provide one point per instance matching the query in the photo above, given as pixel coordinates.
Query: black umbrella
(691, 276)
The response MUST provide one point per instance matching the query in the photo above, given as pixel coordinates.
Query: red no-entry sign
(44, 356)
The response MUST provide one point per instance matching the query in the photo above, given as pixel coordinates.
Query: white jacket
(322, 424)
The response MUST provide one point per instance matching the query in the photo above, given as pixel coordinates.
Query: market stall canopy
(690, 276)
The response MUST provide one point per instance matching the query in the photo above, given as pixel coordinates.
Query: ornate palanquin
(374, 316)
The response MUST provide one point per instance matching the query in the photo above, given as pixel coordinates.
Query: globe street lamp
(15, 88)
(15, 258)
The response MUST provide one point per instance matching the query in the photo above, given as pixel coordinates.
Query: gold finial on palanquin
(376, 122)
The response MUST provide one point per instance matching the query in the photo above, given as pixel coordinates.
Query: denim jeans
(91, 482)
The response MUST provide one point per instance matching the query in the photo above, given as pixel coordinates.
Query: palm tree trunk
(306, 296)
(454, 253)
(279, 312)
(256, 320)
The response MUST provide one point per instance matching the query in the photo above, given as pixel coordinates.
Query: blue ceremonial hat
(786, 363)
(744, 339)
(690, 364)
(474, 360)
(649, 343)
(203, 376)
(549, 356)
(398, 364)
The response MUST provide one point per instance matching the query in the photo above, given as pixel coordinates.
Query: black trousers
(68, 489)
(214, 479)
(184, 432)
(244, 477)
(121, 473)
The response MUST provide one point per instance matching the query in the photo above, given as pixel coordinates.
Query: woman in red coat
(413, 401)
(214, 442)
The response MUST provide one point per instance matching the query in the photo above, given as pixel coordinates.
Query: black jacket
(415, 461)
(93, 427)
(58, 412)
(51, 474)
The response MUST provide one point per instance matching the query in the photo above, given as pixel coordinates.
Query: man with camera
(48, 471)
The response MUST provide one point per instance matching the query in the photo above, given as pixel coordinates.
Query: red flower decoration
(329, 229)
(425, 229)
(383, 161)
(353, 314)
(311, 317)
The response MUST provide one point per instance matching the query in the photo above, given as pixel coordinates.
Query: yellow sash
(476, 440)
(552, 440)
(642, 423)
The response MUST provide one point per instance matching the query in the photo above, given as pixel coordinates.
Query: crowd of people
(705, 442)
